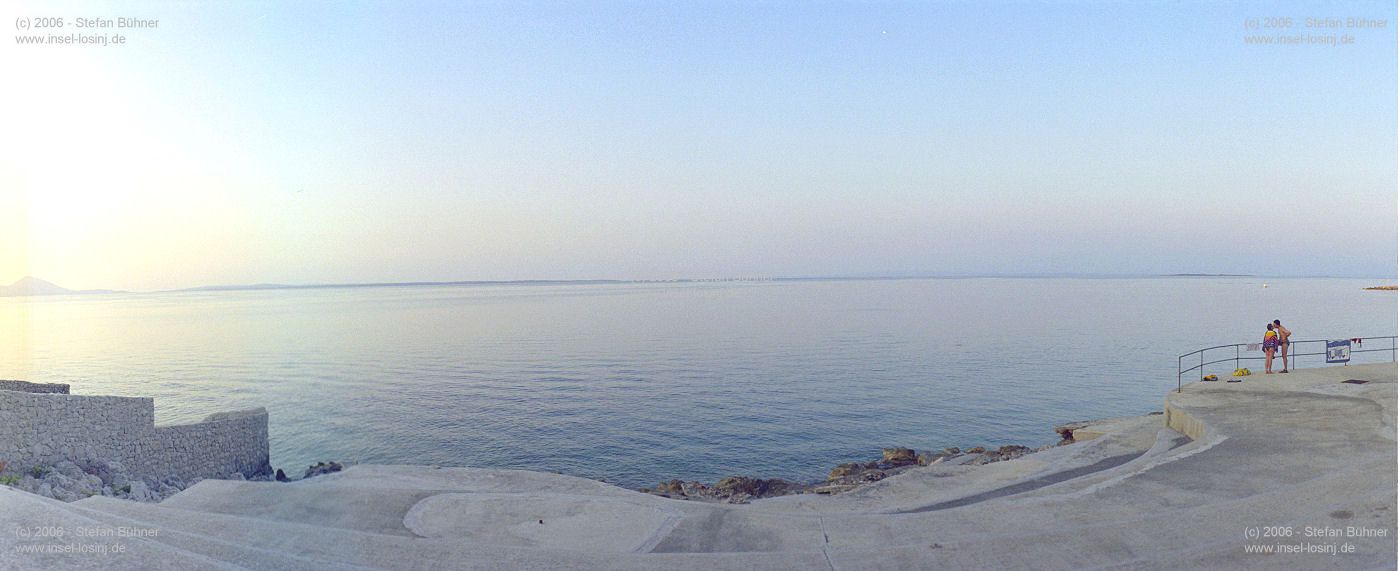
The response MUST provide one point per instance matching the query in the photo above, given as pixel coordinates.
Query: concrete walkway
(1275, 455)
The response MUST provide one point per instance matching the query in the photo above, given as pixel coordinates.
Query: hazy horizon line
(588, 281)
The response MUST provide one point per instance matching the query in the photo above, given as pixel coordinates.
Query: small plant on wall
(7, 479)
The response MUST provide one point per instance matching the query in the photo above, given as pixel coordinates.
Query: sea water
(635, 383)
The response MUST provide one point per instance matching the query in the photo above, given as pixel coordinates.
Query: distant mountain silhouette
(30, 285)
(254, 287)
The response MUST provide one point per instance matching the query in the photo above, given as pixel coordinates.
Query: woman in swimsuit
(1270, 344)
(1283, 335)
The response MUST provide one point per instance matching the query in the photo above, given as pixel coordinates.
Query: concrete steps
(379, 510)
(34, 514)
(317, 545)
(1055, 471)
(471, 480)
(1122, 526)
(284, 545)
(192, 532)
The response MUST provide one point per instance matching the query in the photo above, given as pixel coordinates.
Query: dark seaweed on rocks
(843, 478)
(322, 468)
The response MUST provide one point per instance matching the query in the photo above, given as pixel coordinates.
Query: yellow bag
(1210, 377)
(1241, 372)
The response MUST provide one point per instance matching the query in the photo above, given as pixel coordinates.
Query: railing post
(1178, 374)
(1237, 356)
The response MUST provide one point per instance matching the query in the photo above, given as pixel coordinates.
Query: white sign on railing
(1339, 351)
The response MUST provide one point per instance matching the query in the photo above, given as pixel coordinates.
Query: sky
(320, 142)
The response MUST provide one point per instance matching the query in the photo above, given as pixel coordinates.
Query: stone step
(1058, 470)
(343, 548)
(88, 530)
(371, 510)
(304, 546)
(1153, 539)
(1163, 526)
(475, 480)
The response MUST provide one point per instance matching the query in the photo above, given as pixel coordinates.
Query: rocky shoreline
(69, 482)
(853, 475)
(843, 478)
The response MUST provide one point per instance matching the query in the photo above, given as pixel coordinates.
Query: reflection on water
(639, 382)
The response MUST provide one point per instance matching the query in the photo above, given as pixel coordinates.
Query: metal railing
(1358, 345)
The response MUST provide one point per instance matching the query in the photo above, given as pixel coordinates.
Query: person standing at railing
(1270, 345)
(1283, 335)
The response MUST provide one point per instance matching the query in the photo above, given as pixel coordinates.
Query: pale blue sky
(328, 142)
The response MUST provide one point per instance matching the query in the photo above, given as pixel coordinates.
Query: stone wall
(223, 443)
(39, 429)
(24, 387)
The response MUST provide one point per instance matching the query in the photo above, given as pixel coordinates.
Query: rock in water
(900, 456)
(695, 489)
(844, 470)
(322, 468)
(930, 459)
(672, 487)
(738, 486)
(282, 476)
(1067, 430)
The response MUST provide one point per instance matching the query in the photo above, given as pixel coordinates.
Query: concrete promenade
(1285, 462)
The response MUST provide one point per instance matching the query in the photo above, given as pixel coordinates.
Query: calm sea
(636, 383)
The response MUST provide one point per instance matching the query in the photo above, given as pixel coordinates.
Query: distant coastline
(31, 286)
(28, 286)
(258, 287)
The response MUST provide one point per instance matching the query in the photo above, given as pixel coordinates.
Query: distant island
(1209, 275)
(1383, 288)
(258, 287)
(32, 286)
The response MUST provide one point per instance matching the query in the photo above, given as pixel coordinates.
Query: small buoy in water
(1266, 286)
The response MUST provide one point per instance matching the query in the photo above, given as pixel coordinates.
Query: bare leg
(1283, 352)
(1269, 361)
